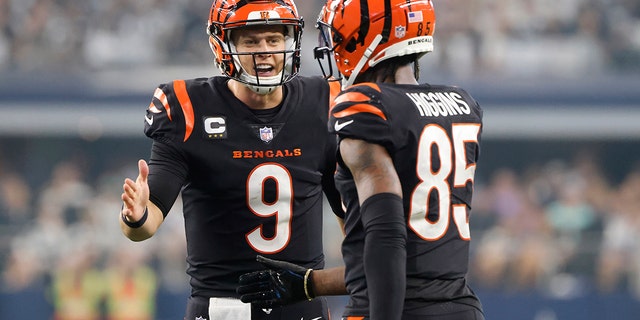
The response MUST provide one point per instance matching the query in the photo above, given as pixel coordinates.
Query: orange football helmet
(362, 33)
(227, 15)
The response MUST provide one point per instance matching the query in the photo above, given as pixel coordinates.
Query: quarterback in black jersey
(250, 154)
(407, 157)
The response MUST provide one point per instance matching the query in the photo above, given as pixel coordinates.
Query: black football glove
(280, 284)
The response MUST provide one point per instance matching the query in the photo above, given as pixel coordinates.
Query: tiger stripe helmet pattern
(362, 33)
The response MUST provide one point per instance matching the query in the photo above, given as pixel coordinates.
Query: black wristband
(137, 224)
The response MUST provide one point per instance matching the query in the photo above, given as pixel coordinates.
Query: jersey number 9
(281, 208)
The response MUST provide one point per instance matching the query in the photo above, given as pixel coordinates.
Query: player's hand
(136, 194)
(280, 284)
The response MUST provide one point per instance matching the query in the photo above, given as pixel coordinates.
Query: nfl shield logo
(266, 134)
(401, 31)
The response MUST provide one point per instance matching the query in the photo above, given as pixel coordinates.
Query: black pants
(198, 308)
(445, 311)
(440, 311)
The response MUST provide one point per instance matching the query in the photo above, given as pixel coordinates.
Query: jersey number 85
(452, 155)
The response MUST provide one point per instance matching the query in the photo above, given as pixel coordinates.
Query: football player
(251, 156)
(407, 159)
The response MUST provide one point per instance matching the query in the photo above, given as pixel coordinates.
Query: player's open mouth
(264, 70)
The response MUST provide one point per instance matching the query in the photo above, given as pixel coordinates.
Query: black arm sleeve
(328, 179)
(385, 254)
(333, 197)
(167, 174)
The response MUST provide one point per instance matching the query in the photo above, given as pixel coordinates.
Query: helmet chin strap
(365, 57)
(262, 89)
(267, 84)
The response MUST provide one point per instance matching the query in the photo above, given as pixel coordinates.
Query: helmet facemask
(323, 53)
(263, 84)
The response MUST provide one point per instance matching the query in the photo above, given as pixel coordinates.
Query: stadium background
(557, 205)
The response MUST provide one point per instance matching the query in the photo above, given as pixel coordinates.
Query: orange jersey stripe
(334, 90)
(180, 88)
(350, 97)
(159, 94)
(357, 108)
(355, 318)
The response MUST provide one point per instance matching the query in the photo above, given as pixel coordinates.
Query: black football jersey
(432, 133)
(248, 186)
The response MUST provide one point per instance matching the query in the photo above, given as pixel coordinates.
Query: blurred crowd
(561, 228)
(62, 235)
(539, 37)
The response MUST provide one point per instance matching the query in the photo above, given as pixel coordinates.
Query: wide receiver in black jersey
(251, 156)
(407, 158)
